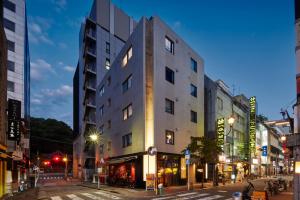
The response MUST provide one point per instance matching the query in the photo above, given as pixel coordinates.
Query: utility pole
(296, 145)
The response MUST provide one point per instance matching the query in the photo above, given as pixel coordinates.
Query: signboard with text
(14, 120)
(252, 125)
(264, 150)
(220, 132)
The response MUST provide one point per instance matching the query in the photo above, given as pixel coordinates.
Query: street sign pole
(187, 159)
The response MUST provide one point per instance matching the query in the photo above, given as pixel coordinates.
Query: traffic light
(56, 158)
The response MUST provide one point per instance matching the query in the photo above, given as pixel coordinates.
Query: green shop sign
(252, 125)
(220, 131)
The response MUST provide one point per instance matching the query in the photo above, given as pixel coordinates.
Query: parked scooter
(248, 190)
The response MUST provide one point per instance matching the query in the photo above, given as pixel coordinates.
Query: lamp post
(65, 159)
(230, 121)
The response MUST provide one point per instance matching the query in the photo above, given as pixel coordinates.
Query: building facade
(18, 85)
(153, 96)
(3, 105)
(102, 36)
(220, 105)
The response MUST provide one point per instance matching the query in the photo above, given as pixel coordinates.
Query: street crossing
(195, 196)
(99, 195)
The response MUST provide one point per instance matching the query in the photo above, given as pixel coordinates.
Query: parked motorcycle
(248, 190)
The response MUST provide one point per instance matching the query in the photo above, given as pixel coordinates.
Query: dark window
(107, 63)
(127, 84)
(108, 145)
(169, 45)
(101, 129)
(107, 47)
(108, 81)
(193, 65)
(169, 137)
(170, 75)
(220, 103)
(9, 24)
(193, 90)
(101, 149)
(101, 110)
(108, 102)
(109, 124)
(10, 86)
(9, 5)
(10, 65)
(169, 107)
(193, 116)
(10, 45)
(127, 140)
(127, 112)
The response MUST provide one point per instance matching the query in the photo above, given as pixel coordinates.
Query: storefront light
(227, 160)
(297, 167)
(222, 158)
(255, 161)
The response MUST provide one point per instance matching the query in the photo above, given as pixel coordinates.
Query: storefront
(168, 169)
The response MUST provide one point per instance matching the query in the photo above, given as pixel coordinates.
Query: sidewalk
(283, 196)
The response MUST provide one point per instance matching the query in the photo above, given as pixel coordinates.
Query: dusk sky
(247, 43)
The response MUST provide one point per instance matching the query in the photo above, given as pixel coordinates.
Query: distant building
(18, 83)
(3, 104)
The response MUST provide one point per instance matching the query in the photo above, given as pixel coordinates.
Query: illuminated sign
(252, 125)
(14, 120)
(264, 150)
(220, 132)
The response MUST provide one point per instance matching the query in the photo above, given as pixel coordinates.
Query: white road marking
(211, 197)
(222, 191)
(56, 198)
(107, 195)
(186, 194)
(74, 197)
(198, 195)
(162, 198)
(91, 196)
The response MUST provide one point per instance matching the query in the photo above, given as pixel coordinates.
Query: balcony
(90, 117)
(90, 103)
(90, 51)
(89, 85)
(91, 68)
(91, 34)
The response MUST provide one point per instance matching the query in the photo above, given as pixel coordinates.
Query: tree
(204, 150)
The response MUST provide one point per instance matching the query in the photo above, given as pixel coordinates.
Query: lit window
(127, 112)
(127, 57)
(169, 45)
(107, 64)
(169, 137)
(101, 92)
(193, 65)
(127, 84)
(127, 140)
(193, 116)
(169, 75)
(193, 90)
(10, 86)
(169, 106)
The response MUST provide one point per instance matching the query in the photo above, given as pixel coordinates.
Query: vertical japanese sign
(14, 119)
(252, 125)
(220, 132)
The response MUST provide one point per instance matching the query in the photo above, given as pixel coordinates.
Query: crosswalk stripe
(91, 196)
(107, 195)
(222, 191)
(163, 198)
(56, 198)
(211, 197)
(74, 197)
(186, 194)
(197, 195)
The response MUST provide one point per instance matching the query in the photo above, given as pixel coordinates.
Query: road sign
(188, 156)
(264, 150)
(188, 162)
(187, 152)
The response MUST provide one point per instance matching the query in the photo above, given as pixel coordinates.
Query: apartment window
(193, 65)
(9, 24)
(109, 124)
(109, 81)
(107, 64)
(127, 140)
(170, 75)
(107, 47)
(169, 137)
(108, 145)
(9, 5)
(169, 106)
(101, 92)
(219, 103)
(101, 149)
(108, 102)
(127, 84)
(169, 45)
(193, 116)
(193, 90)
(127, 57)
(10, 45)
(10, 86)
(10, 65)
(101, 110)
(101, 129)
(127, 112)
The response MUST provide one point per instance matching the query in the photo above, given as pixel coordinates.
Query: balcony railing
(91, 33)
(91, 68)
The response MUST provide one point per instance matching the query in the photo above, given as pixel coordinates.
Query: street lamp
(65, 160)
(94, 137)
(230, 121)
(283, 138)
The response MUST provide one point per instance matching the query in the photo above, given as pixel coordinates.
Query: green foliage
(204, 149)
(50, 135)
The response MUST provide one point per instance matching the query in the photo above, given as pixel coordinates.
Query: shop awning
(121, 160)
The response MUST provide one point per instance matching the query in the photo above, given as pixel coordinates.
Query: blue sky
(248, 44)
